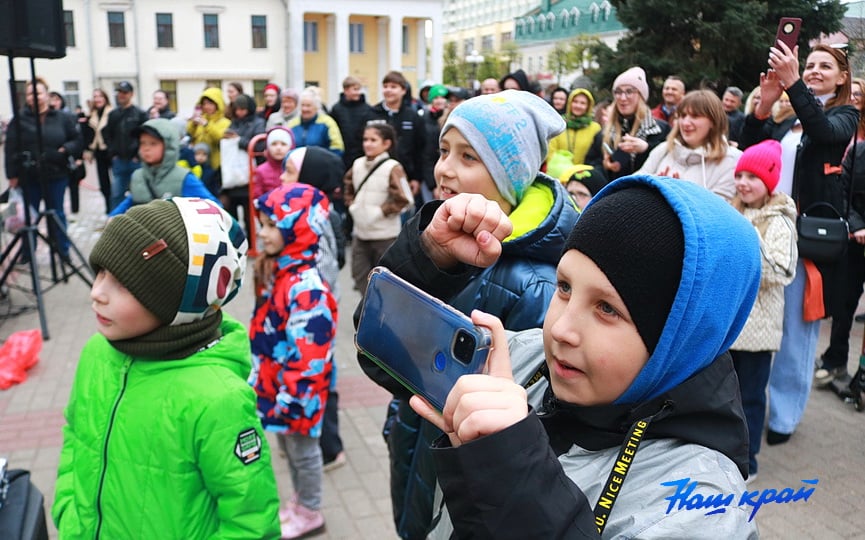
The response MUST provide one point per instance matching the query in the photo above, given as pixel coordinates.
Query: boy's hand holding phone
(467, 228)
(480, 405)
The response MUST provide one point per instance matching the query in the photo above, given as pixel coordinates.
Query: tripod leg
(67, 265)
(29, 234)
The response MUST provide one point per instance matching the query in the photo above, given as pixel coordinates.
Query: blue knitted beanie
(510, 132)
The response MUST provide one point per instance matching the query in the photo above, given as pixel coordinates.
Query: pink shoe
(303, 523)
(287, 511)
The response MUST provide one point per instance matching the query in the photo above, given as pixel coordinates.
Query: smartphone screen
(788, 31)
(425, 344)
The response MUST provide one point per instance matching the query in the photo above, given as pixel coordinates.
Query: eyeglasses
(626, 92)
(857, 94)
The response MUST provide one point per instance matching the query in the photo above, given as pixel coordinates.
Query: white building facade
(182, 46)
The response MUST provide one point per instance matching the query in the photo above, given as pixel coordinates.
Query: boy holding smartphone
(491, 145)
(633, 363)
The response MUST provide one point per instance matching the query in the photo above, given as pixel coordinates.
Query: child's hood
(168, 132)
(215, 95)
(720, 280)
(579, 92)
(301, 213)
(228, 351)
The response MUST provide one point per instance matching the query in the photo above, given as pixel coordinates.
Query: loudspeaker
(32, 28)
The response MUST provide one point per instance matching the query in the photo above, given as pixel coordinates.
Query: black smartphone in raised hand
(788, 31)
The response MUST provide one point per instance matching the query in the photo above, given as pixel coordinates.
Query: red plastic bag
(19, 353)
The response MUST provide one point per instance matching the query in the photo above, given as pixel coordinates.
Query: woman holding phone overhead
(812, 150)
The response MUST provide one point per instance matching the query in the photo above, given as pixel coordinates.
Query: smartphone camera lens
(440, 362)
(788, 28)
(464, 346)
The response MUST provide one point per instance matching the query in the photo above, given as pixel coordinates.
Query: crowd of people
(515, 206)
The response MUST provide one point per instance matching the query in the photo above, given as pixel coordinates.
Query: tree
(561, 61)
(570, 56)
(508, 55)
(712, 43)
(855, 30)
(451, 69)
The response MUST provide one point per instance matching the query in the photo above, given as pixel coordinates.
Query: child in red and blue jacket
(292, 334)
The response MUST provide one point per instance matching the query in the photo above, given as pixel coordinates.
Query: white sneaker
(823, 376)
(286, 513)
(303, 523)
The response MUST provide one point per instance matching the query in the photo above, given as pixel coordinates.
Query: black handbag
(822, 239)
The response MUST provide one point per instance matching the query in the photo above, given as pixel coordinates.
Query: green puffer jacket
(165, 449)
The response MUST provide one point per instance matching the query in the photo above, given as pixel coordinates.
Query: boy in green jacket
(162, 439)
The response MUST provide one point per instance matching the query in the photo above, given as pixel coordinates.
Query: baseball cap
(437, 90)
(124, 86)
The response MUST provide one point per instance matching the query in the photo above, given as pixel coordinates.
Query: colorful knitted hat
(182, 258)
(764, 161)
(510, 132)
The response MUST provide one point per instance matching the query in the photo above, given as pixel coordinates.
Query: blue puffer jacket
(517, 289)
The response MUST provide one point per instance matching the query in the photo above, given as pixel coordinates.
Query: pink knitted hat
(635, 77)
(764, 161)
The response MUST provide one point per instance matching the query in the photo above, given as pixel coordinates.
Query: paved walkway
(828, 444)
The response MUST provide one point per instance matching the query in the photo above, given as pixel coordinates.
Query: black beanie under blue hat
(636, 239)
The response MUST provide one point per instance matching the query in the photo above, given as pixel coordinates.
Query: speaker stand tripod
(61, 265)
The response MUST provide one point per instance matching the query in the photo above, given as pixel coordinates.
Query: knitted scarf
(173, 342)
(579, 122)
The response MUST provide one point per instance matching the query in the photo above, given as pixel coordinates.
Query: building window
(170, 89)
(355, 37)
(405, 34)
(259, 31)
(212, 83)
(507, 36)
(69, 28)
(468, 46)
(211, 31)
(258, 91)
(70, 94)
(164, 31)
(310, 36)
(487, 43)
(116, 29)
